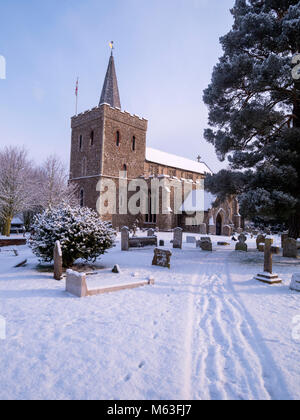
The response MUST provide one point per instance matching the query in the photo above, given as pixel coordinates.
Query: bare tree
(17, 185)
(54, 188)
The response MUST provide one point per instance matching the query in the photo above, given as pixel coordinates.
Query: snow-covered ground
(206, 330)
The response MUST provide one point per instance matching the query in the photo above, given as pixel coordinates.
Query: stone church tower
(106, 141)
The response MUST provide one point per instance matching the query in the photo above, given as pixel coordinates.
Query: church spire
(110, 92)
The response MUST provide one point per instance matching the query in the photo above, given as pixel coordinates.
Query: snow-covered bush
(80, 231)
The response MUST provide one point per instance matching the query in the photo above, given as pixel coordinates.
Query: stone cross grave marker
(177, 240)
(58, 261)
(162, 258)
(268, 276)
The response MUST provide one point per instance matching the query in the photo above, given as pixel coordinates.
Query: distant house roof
(198, 200)
(167, 159)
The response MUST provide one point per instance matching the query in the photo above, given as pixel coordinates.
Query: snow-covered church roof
(163, 158)
(198, 200)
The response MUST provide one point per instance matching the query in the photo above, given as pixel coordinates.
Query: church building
(107, 141)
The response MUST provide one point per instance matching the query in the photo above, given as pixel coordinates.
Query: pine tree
(254, 111)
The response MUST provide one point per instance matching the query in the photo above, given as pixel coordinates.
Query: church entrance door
(219, 225)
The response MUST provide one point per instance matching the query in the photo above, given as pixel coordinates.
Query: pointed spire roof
(110, 92)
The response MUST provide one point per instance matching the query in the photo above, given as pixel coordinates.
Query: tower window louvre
(118, 138)
(92, 138)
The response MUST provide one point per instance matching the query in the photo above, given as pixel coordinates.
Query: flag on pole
(76, 89)
(76, 94)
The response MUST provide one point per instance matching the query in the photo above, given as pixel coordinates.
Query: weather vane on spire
(111, 44)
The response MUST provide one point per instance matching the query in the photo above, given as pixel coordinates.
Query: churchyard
(202, 327)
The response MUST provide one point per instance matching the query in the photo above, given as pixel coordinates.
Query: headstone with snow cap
(267, 276)
(151, 232)
(290, 248)
(125, 238)
(295, 283)
(241, 245)
(260, 240)
(76, 284)
(177, 239)
(58, 261)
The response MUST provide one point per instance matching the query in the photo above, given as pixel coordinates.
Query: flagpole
(76, 93)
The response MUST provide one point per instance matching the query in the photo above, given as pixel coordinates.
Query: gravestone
(76, 284)
(290, 248)
(58, 261)
(206, 246)
(212, 229)
(151, 232)
(190, 240)
(227, 230)
(295, 283)
(267, 276)
(284, 236)
(205, 238)
(203, 229)
(125, 238)
(162, 258)
(177, 239)
(241, 245)
(260, 240)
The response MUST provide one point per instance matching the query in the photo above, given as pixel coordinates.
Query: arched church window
(118, 138)
(133, 143)
(80, 142)
(92, 136)
(81, 199)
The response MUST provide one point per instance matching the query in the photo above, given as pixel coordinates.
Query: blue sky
(165, 53)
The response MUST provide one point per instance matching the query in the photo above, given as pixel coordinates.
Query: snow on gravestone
(177, 240)
(267, 276)
(295, 283)
(151, 233)
(241, 245)
(125, 238)
(162, 258)
(58, 261)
